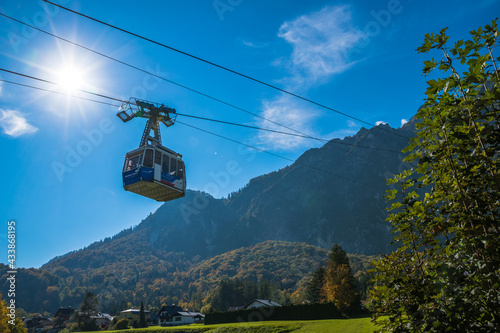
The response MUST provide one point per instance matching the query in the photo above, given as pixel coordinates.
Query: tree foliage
(88, 308)
(445, 274)
(142, 316)
(339, 284)
(5, 326)
(314, 290)
(122, 324)
(239, 292)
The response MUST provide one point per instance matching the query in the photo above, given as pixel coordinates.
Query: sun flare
(71, 79)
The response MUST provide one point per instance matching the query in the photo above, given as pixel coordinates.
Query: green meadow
(354, 325)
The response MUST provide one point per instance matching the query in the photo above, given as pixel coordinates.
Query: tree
(122, 324)
(7, 327)
(88, 309)
(314, 289)
(445, 274)
(142, 316)
(339, 284)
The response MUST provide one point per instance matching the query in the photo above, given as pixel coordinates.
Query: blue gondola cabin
(155, 172)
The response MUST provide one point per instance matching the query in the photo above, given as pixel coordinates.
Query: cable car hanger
(152, 170)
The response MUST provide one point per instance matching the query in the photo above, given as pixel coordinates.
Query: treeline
(238, 293)
(125, 272)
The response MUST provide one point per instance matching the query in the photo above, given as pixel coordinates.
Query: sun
(71, 79)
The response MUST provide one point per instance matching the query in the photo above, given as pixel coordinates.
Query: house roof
(37, 322)
(102, 315)
(133, 311)
(64, 312)
(188, 314)
(265, 302)
(170, 309)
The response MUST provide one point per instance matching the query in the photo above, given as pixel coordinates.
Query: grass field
(355, 325)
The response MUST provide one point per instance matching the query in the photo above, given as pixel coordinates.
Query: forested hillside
(168, 279)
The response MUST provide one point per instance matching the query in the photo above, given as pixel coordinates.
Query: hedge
(292, 312)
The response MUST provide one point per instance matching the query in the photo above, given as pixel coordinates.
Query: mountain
(337, 200)
(332, 194)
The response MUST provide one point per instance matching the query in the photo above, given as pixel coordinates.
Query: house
(62, 317)
(259, 303)
(166, 313)
(102, 319)
(186, 318)
(37, 325)
(133, 314)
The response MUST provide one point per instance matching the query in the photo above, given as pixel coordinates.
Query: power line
(185, 115)
(47, 81)
(152, 74)
(58, 92)
(285, 133)
(300, 134)
(223, 68)
(202, 130)
(282, 157)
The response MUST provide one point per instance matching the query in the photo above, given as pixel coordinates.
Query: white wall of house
(182, 320)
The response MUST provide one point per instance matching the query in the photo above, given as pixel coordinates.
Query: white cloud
(14, 124)
(403, 121)
(380, 123)
(285, 111)
(321, 41)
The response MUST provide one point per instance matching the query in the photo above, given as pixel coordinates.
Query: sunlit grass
(354, 325)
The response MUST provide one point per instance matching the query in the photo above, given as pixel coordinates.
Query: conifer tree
(339, 285)
(88, 309)
(142, 316)
(314, 289)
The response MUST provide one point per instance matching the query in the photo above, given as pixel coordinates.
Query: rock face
(343, 203)
(332, 194)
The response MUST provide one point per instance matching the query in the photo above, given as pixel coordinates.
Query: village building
(133, 315)
(172, 315)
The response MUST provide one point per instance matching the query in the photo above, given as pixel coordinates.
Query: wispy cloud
(380, 122)
(254, 44)
(14, 124)
(286, 111)
(321, 43)
(403, 121)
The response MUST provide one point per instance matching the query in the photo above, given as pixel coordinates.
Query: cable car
(152, 170)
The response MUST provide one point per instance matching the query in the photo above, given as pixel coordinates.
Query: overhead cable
(185, 115)
(223, 68)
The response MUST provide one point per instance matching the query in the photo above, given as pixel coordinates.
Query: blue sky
(61, 176)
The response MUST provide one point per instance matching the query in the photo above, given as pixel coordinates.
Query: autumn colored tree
(7, 327)
(445, 275)
(121, 324)
(339, 284)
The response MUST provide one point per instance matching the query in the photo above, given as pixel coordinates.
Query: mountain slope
(343, 205)
(332, 194)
